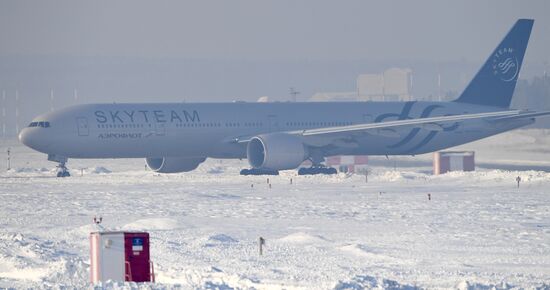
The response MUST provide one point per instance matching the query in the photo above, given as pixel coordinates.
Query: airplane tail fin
(495, 82)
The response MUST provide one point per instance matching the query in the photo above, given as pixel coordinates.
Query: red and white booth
(120, 256)
(445, 161)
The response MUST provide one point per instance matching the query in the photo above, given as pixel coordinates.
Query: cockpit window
(40, 124)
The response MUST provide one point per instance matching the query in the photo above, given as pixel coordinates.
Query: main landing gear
(259, 171)
(62, 170)
(317, 170)
(317, 167)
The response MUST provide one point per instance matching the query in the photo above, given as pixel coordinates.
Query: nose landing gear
(62, 170)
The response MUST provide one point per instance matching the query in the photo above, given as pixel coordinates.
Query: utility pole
(411, 86)
(16, 112)
(51, 100)
(383, 88)
(439, 86)
(293, 93)
(4, 104)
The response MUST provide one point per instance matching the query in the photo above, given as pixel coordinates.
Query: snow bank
(28, 170)
(363, 251)
(222, 238)
(370, 282)
(216, 170)
(34, 260)
(163, 224)
(97, 170)
(302, 238)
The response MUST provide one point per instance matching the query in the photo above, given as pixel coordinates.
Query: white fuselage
(208, 129)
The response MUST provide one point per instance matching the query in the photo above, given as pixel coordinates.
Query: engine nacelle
(173, 164)
(277, 151)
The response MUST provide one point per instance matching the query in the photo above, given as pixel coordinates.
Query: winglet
(495, 82)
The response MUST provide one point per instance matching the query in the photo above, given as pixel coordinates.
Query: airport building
(394, 84)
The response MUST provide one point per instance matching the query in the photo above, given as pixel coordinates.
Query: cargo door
(273, 123)
(82, 126)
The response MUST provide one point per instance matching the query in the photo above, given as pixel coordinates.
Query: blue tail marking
(495, 82)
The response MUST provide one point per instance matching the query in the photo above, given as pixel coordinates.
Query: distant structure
(263, 99)
(293, 94)
(349, 164)
(334, 97)
(394, 84)
(446, 161)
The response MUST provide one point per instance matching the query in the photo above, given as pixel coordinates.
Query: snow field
(479, 231)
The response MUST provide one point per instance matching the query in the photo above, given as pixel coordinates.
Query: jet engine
(174, 164)
(276, 151)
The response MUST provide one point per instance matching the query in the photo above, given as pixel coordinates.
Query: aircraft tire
(256, 171)
(63, 173)
(317, 170)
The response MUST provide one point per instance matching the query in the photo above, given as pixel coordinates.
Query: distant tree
(451, 95)
(533, 95)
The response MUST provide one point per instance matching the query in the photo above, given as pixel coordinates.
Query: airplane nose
(30, 138)
(25, 137)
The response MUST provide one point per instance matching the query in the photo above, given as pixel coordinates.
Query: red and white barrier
(446, 161)
(344, 163)
(120, 256)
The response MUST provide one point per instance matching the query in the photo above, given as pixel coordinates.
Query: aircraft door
(160, 129)
(273, 123)
(368, 118)
(82, 126)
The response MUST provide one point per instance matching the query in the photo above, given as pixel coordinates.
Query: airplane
(177, 137)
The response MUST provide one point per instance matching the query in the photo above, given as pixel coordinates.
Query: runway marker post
(261, 243)
(9, 158)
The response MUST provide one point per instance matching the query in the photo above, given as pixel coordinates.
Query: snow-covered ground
(322, 232)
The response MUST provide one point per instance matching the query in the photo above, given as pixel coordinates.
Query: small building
(394, 84)
(120, 256)
(445, 161)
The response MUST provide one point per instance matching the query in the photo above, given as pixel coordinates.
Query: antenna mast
(293, 93)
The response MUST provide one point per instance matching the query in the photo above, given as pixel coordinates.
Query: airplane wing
(523, 116)
(431, 123)
(387, 128)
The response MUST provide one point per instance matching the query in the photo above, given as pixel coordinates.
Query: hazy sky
(269, 30)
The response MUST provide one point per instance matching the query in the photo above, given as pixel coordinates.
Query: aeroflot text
(146, 116)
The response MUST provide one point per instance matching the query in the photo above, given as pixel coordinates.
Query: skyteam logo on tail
(505, 64)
